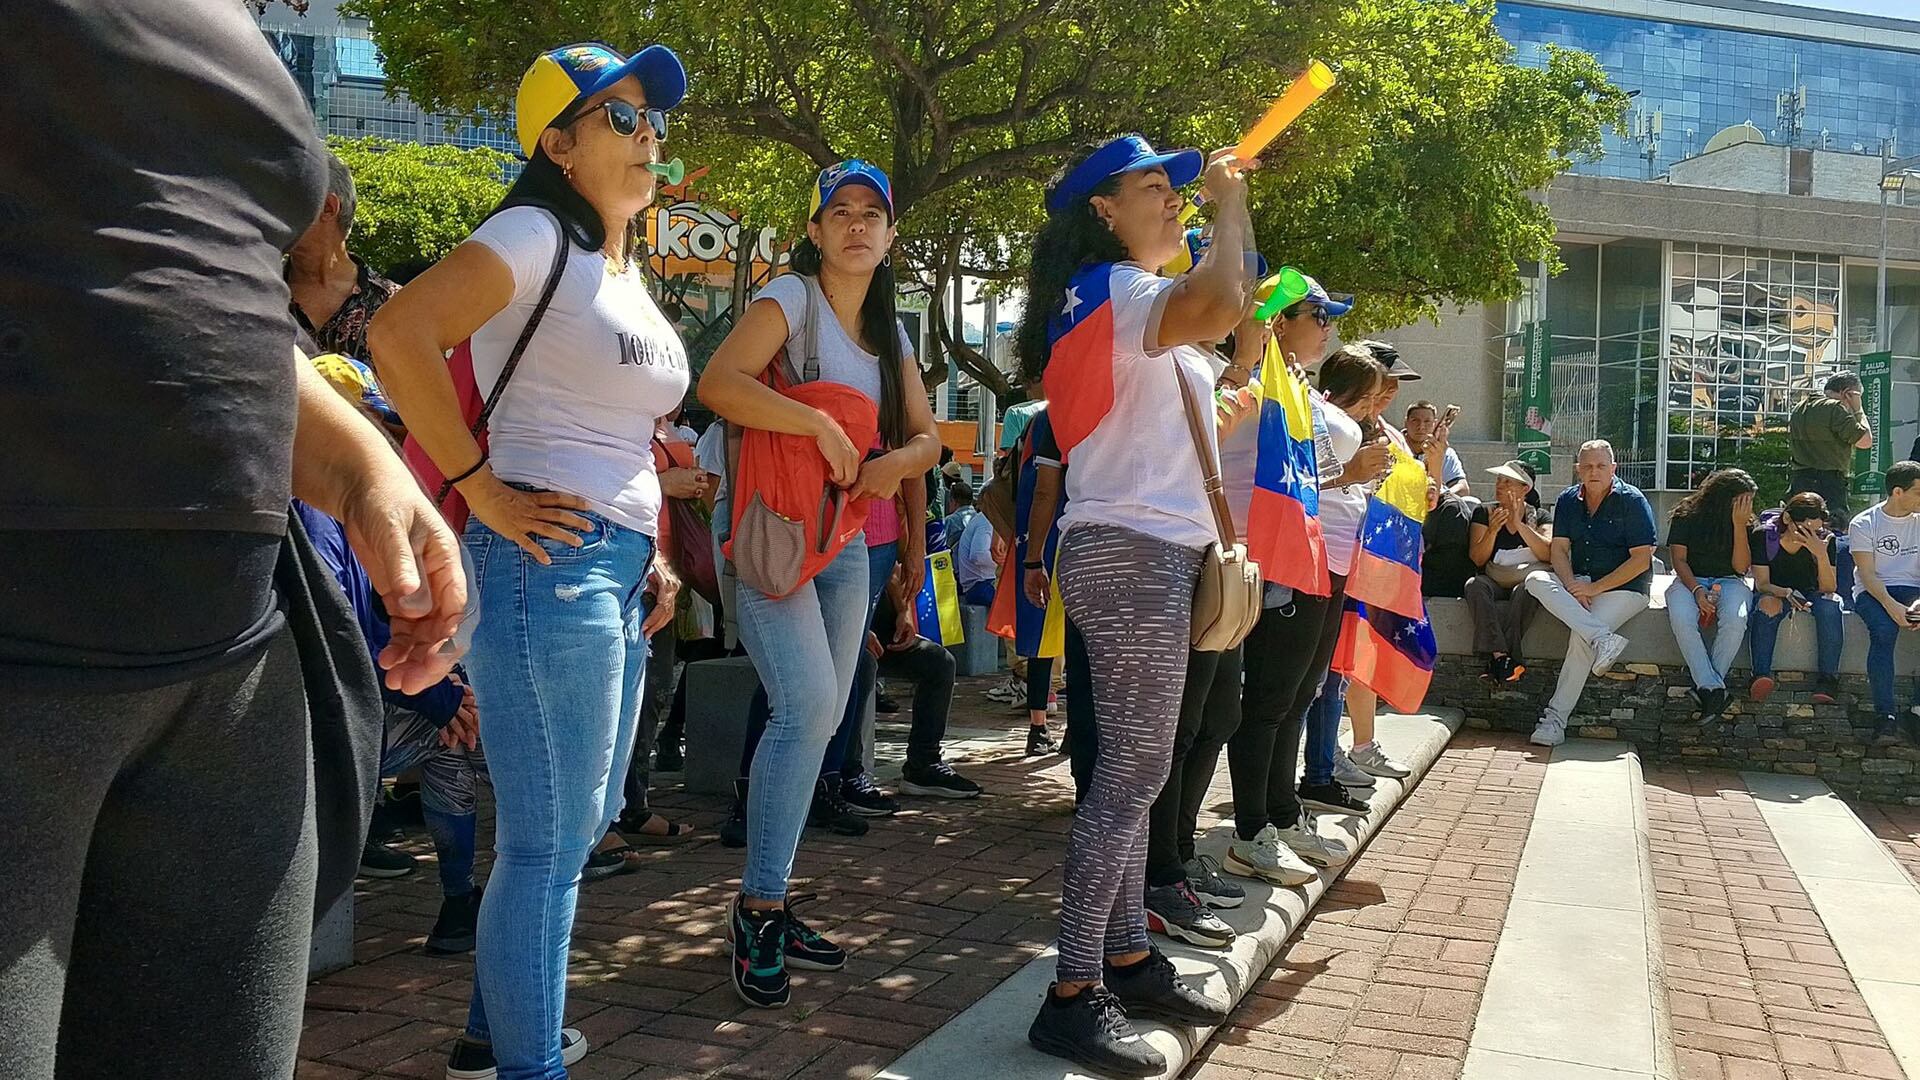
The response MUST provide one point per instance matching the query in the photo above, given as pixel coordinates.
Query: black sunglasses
(624, 118)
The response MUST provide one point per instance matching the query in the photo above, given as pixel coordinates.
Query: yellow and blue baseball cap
(1128, 153)
(852, 171)
(560, 78)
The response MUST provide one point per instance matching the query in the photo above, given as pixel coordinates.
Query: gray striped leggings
(1131, 596)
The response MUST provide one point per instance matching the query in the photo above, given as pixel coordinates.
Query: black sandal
(612, 862)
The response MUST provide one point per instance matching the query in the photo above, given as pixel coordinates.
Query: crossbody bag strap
(533, 322)
(1209, 465)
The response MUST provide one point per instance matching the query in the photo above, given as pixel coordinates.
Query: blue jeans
(1883, 634)
(1709, 669)
(449, 790)
(557, 667)
(1323, 730)
(804, 646)
(1764, 628)
(881, 560)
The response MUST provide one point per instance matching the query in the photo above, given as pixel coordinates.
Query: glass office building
(1700, 79)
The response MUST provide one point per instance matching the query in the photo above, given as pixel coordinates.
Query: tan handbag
(1226, 603)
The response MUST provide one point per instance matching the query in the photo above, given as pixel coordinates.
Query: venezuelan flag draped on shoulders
(1080, 344)
(1283, 522)
(1386, 642)
(1036, 631)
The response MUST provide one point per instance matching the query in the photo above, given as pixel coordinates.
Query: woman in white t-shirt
(807, 644)
(566, 509)
(1117, 344)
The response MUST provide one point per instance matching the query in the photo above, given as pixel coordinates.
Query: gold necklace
(617, 265)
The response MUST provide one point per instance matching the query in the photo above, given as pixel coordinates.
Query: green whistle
(670, 171)
(1281, 291)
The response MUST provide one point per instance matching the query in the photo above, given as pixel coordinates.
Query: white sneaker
(1550, 731)
(1349, 774)
(1303, 840)
(1009, 691)
(1373, 759)
(1264, 857)
(1606, 650)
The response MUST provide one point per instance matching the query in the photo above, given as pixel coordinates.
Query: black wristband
(1035, 565)
(453, 480)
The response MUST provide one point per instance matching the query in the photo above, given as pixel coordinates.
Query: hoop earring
(887, 259)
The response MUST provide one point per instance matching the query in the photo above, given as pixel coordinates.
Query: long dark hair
(880, 325)
(1715, 495)
(1073, 238)
(544, 184)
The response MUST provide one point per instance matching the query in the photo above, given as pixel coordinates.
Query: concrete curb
(990, 1038)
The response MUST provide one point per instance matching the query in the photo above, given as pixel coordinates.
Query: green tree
(1409, 182)
(417, 202)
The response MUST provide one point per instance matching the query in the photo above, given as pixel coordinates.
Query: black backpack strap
(533, 322)
(810, 371)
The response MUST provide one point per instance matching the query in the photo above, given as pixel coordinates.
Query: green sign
(1536, 398)
(1876, 400)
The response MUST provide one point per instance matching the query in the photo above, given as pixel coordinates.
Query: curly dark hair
(1070, 239)
(1715, 495)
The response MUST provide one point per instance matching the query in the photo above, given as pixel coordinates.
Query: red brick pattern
(1383, 979)
(1756, 988)
(937, 905)
(1898, 827)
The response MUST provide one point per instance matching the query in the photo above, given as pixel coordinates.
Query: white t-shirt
(1239, 454)
(973, 558)
(1451, 469)
(601, 369)
(1336, 438)
(842, 360)
(1894, 543)
(1138, 469)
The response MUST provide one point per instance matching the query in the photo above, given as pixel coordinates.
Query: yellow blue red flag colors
(1386, 564)
(1080, 356)
(937, 608)
(1390, 653)
(1036, 631)
(1283, 521)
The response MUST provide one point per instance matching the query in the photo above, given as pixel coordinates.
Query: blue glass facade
(1703, 79)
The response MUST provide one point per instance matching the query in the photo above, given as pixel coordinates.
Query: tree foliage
(417, 202)
(1408, 184)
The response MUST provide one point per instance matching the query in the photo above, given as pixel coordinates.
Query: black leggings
(1286, 658)
(1209, 716)
(1083, 742)
(1039, 683)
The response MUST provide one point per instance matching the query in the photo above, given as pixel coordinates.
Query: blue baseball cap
(852, 171)
(1128, 153)
(561, 78)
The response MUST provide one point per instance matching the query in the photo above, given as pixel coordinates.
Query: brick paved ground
(1898, 827)
(1383, 980)
(937, 905)
(1756, 987)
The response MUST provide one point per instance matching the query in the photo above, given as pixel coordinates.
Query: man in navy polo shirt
(1603, 541)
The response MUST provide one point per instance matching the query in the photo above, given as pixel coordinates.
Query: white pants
(1610, 611)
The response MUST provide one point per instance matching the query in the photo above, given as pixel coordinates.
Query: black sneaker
(1332, 798)
(381, 861)
(667, 757)
(1091, 1029)
(1826, 689)
(863, 798)
(733, 831)
(806, 948)
(885, 705)
(1496, 669)
(1153, 989)
(453, 931)
(1041, 744)
(1886, 731)
(937, 780)
(831, 812)
(759, 956)
(1213, 888)
(474, 1061)
(1713, 703)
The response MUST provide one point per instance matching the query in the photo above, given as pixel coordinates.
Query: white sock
(1357, 747)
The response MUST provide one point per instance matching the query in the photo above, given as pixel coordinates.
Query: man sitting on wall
(1430, 435)
(1886, 557)
(1602, 553)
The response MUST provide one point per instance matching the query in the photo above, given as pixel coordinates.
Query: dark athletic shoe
(1826, 689)
(885, 705)
(937, 780)
(1091, 1029)
(863, 798)
(733, 832)
(759, 956)
(1211, 886)
(1330, 797)
(830, 811)
(453, 932)
(1153, 989)
(474, 1061)
(668, 757)
(1040, 743)
(1886, 730)
(381, 861)
(806, 948)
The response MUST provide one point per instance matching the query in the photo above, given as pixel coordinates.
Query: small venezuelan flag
(1080, 356)
(1386, 565)
(1283, 522)
(1390, 653)
(1036, 632)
